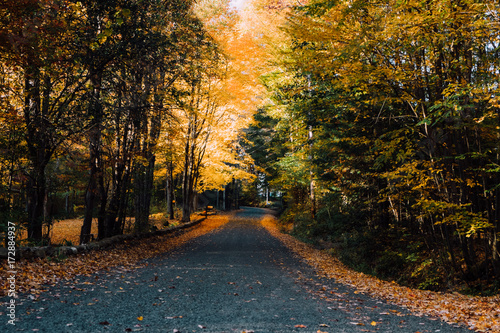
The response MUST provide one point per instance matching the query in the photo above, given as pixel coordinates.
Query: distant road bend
(236, 279)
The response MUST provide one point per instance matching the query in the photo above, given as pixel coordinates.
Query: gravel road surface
(236, 279)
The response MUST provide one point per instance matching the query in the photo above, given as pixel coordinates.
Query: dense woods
(110, 108)
(382, 135)
(375, 125)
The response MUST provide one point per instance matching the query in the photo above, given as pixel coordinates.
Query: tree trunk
(170, 192)
(35, 205)
(96, 178)
(114, 205)
(195, 201)
(186, 177)
(224, 198)
(144, 187)
(186, 198)
(38, 148)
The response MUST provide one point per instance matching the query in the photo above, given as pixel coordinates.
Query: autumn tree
(12, 152)
(153, 61)
(206, 116)
(137, 50)
(101, 82)
(402, 102)
(100, 45)
(35, 39)
(198, 104)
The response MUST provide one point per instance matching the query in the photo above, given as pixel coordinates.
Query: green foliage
(66, 242)
(58, 257)
(28, 242)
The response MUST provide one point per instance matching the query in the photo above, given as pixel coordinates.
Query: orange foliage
(69, 230)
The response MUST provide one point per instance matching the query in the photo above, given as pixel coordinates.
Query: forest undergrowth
(392, 254)
(479, 313)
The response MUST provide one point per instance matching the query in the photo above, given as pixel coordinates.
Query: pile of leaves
(481, 314)
(35, 276)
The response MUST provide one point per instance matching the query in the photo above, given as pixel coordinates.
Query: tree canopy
(374, 125)
(385, 115)
(105, 101)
